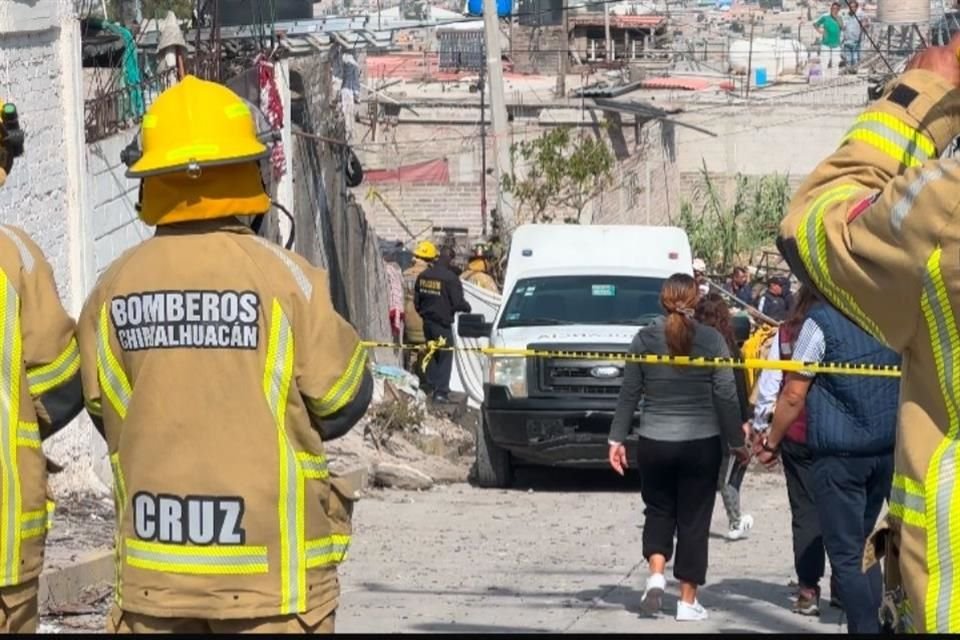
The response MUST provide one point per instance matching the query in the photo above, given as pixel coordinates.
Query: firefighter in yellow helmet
(39, 394)
(216, 368)
(874, 230)
(478, 269)
(423, 255)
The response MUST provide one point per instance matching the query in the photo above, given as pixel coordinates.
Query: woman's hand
(742, 454)
(618, 458)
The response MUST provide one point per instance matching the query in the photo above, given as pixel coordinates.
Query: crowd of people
(699, 430)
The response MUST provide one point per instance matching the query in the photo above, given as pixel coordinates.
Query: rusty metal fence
(119, 109)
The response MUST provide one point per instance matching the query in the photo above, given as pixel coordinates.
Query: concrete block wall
(35, 196)
(113, 226)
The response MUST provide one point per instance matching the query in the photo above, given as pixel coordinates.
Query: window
(558, 300)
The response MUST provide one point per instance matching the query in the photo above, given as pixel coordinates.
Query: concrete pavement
(559, 554)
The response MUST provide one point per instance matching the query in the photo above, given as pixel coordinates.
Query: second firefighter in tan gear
(40, 393)
(477, 272)
(424, 254)
(874, 230)
(216, 368)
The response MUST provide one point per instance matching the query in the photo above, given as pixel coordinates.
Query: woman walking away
(690, 414)
(809, 555)
(714, 312)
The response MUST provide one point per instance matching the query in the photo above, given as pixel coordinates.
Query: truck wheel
(494, 469)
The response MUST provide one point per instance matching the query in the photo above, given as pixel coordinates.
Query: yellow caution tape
(429, 349)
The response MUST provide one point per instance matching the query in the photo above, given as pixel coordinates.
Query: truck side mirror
(473, 325)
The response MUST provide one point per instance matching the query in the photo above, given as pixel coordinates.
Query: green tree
(563, 173)
(183, 9)
(722, 234)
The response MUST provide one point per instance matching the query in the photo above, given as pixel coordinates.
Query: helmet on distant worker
(426, 250)
(11, 138)
(479, 256)
(200, 156)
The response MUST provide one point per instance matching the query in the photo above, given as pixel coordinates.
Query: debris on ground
(82, 523)
(87, 614)
(400, 476)
(412, 442)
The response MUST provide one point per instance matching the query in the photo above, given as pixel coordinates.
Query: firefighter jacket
(439, 295)
(214, 359)
(480, 279)
(873, 229)
(41, 394)
(413, 323)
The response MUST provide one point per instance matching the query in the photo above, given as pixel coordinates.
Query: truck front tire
(494, 467)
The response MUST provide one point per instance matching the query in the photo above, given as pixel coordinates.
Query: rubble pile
(401, 443)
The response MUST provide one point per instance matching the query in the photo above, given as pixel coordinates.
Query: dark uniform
(438, 296)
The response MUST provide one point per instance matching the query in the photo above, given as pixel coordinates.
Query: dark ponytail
(678, 297)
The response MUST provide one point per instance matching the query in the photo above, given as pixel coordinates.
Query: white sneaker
(742, 530)
(690, 612)
(653, 594)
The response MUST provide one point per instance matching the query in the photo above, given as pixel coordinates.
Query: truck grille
(586, 377)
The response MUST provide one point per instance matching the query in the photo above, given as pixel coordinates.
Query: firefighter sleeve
(50, 352)
(87, 336)
(865, 229)
(332, 373)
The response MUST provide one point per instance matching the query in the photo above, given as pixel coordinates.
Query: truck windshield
(558, 300)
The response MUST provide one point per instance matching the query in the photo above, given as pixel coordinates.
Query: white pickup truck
(569, 288)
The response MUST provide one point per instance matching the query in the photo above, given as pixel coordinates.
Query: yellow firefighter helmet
(426, 250)
(196, 124)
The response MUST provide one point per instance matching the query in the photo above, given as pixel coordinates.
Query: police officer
(41, 394)
(478, 269)
(438, 297)
(874, 230)
(423, 255)
(217, 369)
(774, 303)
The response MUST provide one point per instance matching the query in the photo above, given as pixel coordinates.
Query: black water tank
(240, 12)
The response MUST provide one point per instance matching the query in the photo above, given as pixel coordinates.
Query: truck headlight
(510, 372)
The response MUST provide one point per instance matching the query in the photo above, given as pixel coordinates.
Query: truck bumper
(560, 433)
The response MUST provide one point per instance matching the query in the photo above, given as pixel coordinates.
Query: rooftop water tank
(776, 56)
(903, 11)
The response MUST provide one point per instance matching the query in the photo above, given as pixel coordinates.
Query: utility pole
(750, 55)
(483, 156)
(498, 108)
(564, 54)
(610, 54)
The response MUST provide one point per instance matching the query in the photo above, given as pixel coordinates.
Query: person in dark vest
(438, 296)
(774, 303)
(851, 426)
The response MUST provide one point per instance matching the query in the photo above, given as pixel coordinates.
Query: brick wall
(422, 207)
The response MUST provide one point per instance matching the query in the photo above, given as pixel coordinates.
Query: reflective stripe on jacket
(40, 378)
(874, 230)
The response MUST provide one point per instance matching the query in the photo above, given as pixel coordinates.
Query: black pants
(678, 482)
(849, 493)
(809, 555)
(438, 371)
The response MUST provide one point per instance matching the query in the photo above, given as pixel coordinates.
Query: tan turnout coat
(207, 353)
(874, 229)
